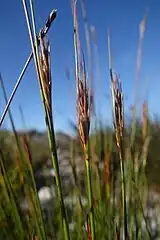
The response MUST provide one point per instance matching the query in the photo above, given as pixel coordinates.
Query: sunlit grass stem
(44, 76)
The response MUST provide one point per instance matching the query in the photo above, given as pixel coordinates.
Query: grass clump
(105, 193)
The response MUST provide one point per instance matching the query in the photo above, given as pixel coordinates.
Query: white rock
(45, 194)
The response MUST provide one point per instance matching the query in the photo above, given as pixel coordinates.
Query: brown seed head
(46, 72)
(83, 108)
(83, 113)
(27, 150)
(84, 97)
(117, 98)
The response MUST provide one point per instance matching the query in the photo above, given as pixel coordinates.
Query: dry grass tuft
(83, 108)
(118, 112)
(46, 72)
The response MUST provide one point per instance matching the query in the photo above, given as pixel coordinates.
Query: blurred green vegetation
(101, 139)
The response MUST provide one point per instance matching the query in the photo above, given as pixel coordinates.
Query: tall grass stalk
(42, 63)
(119, 124)
(118, 117)
(88, 45)
(142, 28)
(90, 193)
(74, 173)
(83, 111)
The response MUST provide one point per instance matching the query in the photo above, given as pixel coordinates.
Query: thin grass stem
(49, 119)
(44, 30)
(89, 189)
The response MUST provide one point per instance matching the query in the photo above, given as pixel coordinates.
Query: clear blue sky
(123, 18)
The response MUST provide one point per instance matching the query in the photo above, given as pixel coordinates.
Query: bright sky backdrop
(122, 17)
